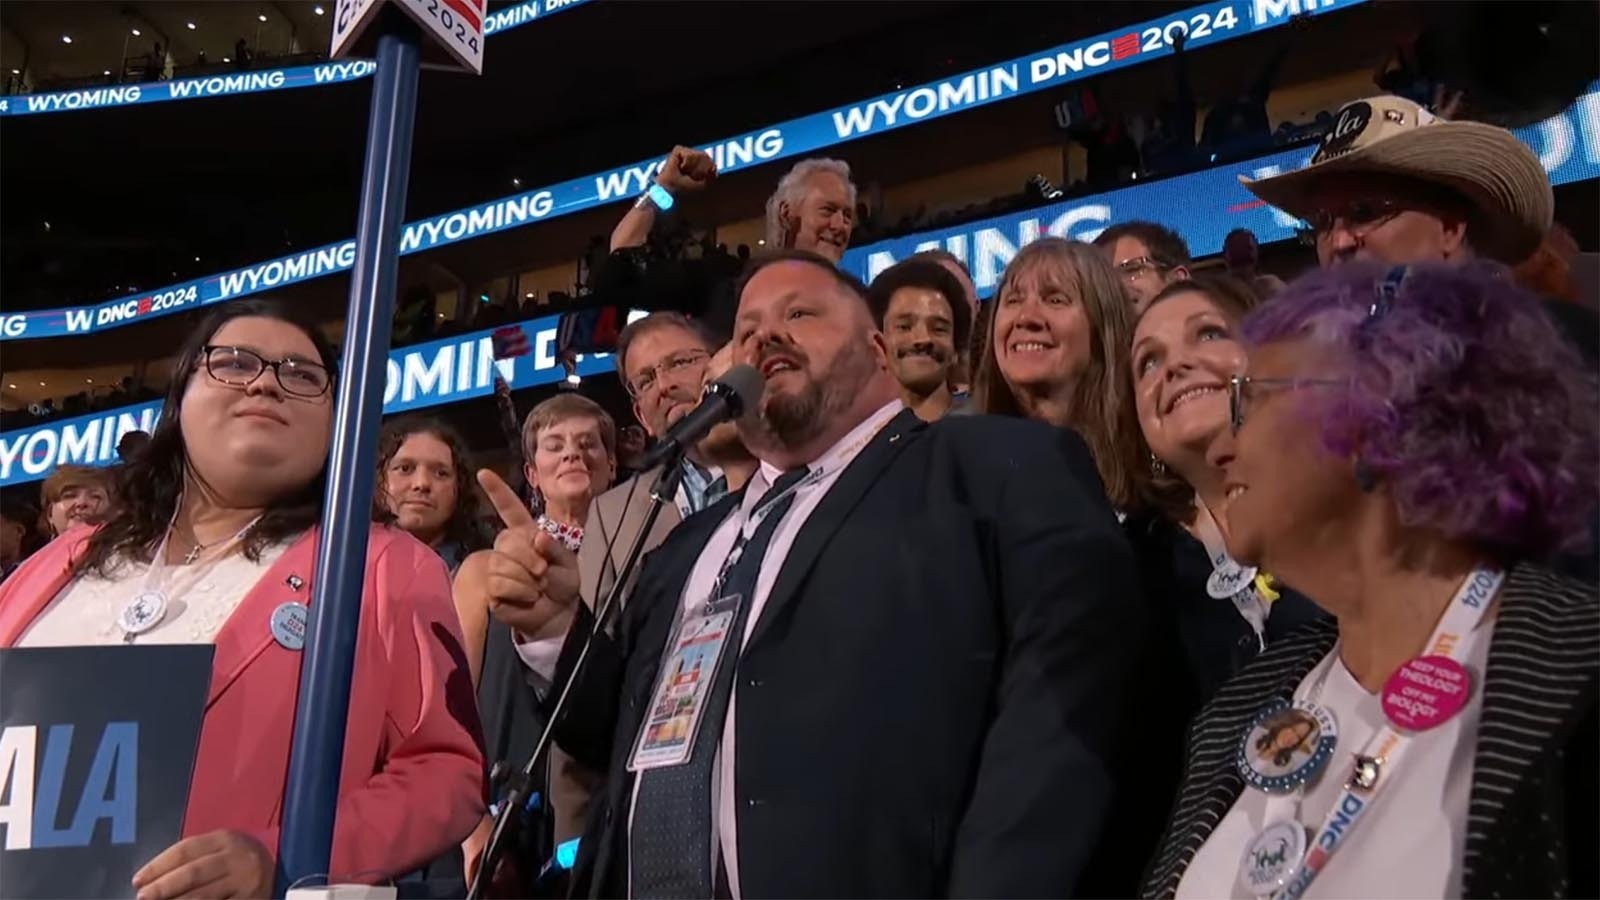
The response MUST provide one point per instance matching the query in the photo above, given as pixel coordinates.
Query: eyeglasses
(676, 366)
(238, 367)
(1133, 268)
(1360, 217)
(1240, 393)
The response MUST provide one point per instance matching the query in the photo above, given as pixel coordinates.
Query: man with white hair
(812, 208)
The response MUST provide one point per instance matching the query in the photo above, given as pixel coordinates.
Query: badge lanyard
(149, 607)
(819, 470)
(704, 639)
(1424, 692)
(1231, 581)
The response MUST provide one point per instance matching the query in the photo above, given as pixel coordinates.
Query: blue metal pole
(312, 791)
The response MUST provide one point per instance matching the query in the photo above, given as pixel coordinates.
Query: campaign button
(1426, 692)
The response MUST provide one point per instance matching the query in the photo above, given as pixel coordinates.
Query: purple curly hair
(1465, 400)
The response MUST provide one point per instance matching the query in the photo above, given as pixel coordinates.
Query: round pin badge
(1228, 579)
(143, 612)
(1272, 858)
(1426, 692)
(289, 625)
(1287, 745)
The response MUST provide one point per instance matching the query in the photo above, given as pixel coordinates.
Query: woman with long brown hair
(1056, 351)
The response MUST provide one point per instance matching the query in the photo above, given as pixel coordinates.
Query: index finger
(505, 501)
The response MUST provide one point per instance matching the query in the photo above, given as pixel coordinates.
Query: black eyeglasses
(1240, 393)
(238, 367)
(1360, 217)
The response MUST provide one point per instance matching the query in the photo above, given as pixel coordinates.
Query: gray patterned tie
(670, 838)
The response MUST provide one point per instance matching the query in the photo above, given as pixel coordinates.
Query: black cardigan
(1533, 820)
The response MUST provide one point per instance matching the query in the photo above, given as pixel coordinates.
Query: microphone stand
(522, 782)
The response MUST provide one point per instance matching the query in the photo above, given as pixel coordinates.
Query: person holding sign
(1406, 443)
(214, 542)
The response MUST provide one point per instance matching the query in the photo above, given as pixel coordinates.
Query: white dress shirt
(702, 580)
(1410, 841)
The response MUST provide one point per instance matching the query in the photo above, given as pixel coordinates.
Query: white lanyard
(148, 608)
(1225, 571)
(1385, 748)
(820, 470)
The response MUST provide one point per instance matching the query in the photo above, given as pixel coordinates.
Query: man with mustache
(892, 666)
(923, 314)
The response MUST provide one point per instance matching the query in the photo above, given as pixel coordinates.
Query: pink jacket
(412, 784)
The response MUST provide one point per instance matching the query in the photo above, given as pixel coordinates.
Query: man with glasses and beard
(893, 665)
(923, 313)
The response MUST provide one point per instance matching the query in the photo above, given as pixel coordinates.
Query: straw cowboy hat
(1493, 171)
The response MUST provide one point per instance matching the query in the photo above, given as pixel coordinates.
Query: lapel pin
(1364, 777)
(294, 582)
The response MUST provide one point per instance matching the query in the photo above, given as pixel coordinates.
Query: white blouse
(1410, 841)
(85, 612)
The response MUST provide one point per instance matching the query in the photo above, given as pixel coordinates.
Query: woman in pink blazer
(214, 542)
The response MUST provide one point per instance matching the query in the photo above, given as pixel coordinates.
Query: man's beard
(792, 419)
(723, 444)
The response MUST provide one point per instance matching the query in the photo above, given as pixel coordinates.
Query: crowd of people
(1138, 579)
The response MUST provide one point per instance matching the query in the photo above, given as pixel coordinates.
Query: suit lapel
(829, 515)
(644, 625)
(622, 514)
(1539, 680)
(248, 630)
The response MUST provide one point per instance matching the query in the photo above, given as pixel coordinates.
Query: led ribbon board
(1206, 25)
(1202, 207)
(422, 375)
(251, 82)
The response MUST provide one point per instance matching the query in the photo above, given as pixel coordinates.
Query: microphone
(726, 398)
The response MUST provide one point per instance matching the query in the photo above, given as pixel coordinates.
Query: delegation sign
(97, 745)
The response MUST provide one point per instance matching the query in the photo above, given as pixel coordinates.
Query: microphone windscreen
(746, 384)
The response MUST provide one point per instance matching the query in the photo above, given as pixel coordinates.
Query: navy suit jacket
(928, 703)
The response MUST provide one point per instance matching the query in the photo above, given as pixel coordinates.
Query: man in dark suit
(926, 630)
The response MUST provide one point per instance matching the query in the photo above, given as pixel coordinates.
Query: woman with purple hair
(1407, 447)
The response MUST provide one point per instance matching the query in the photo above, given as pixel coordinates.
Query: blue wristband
(658, 195)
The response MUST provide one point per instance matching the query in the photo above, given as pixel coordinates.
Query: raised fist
(686, 169)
